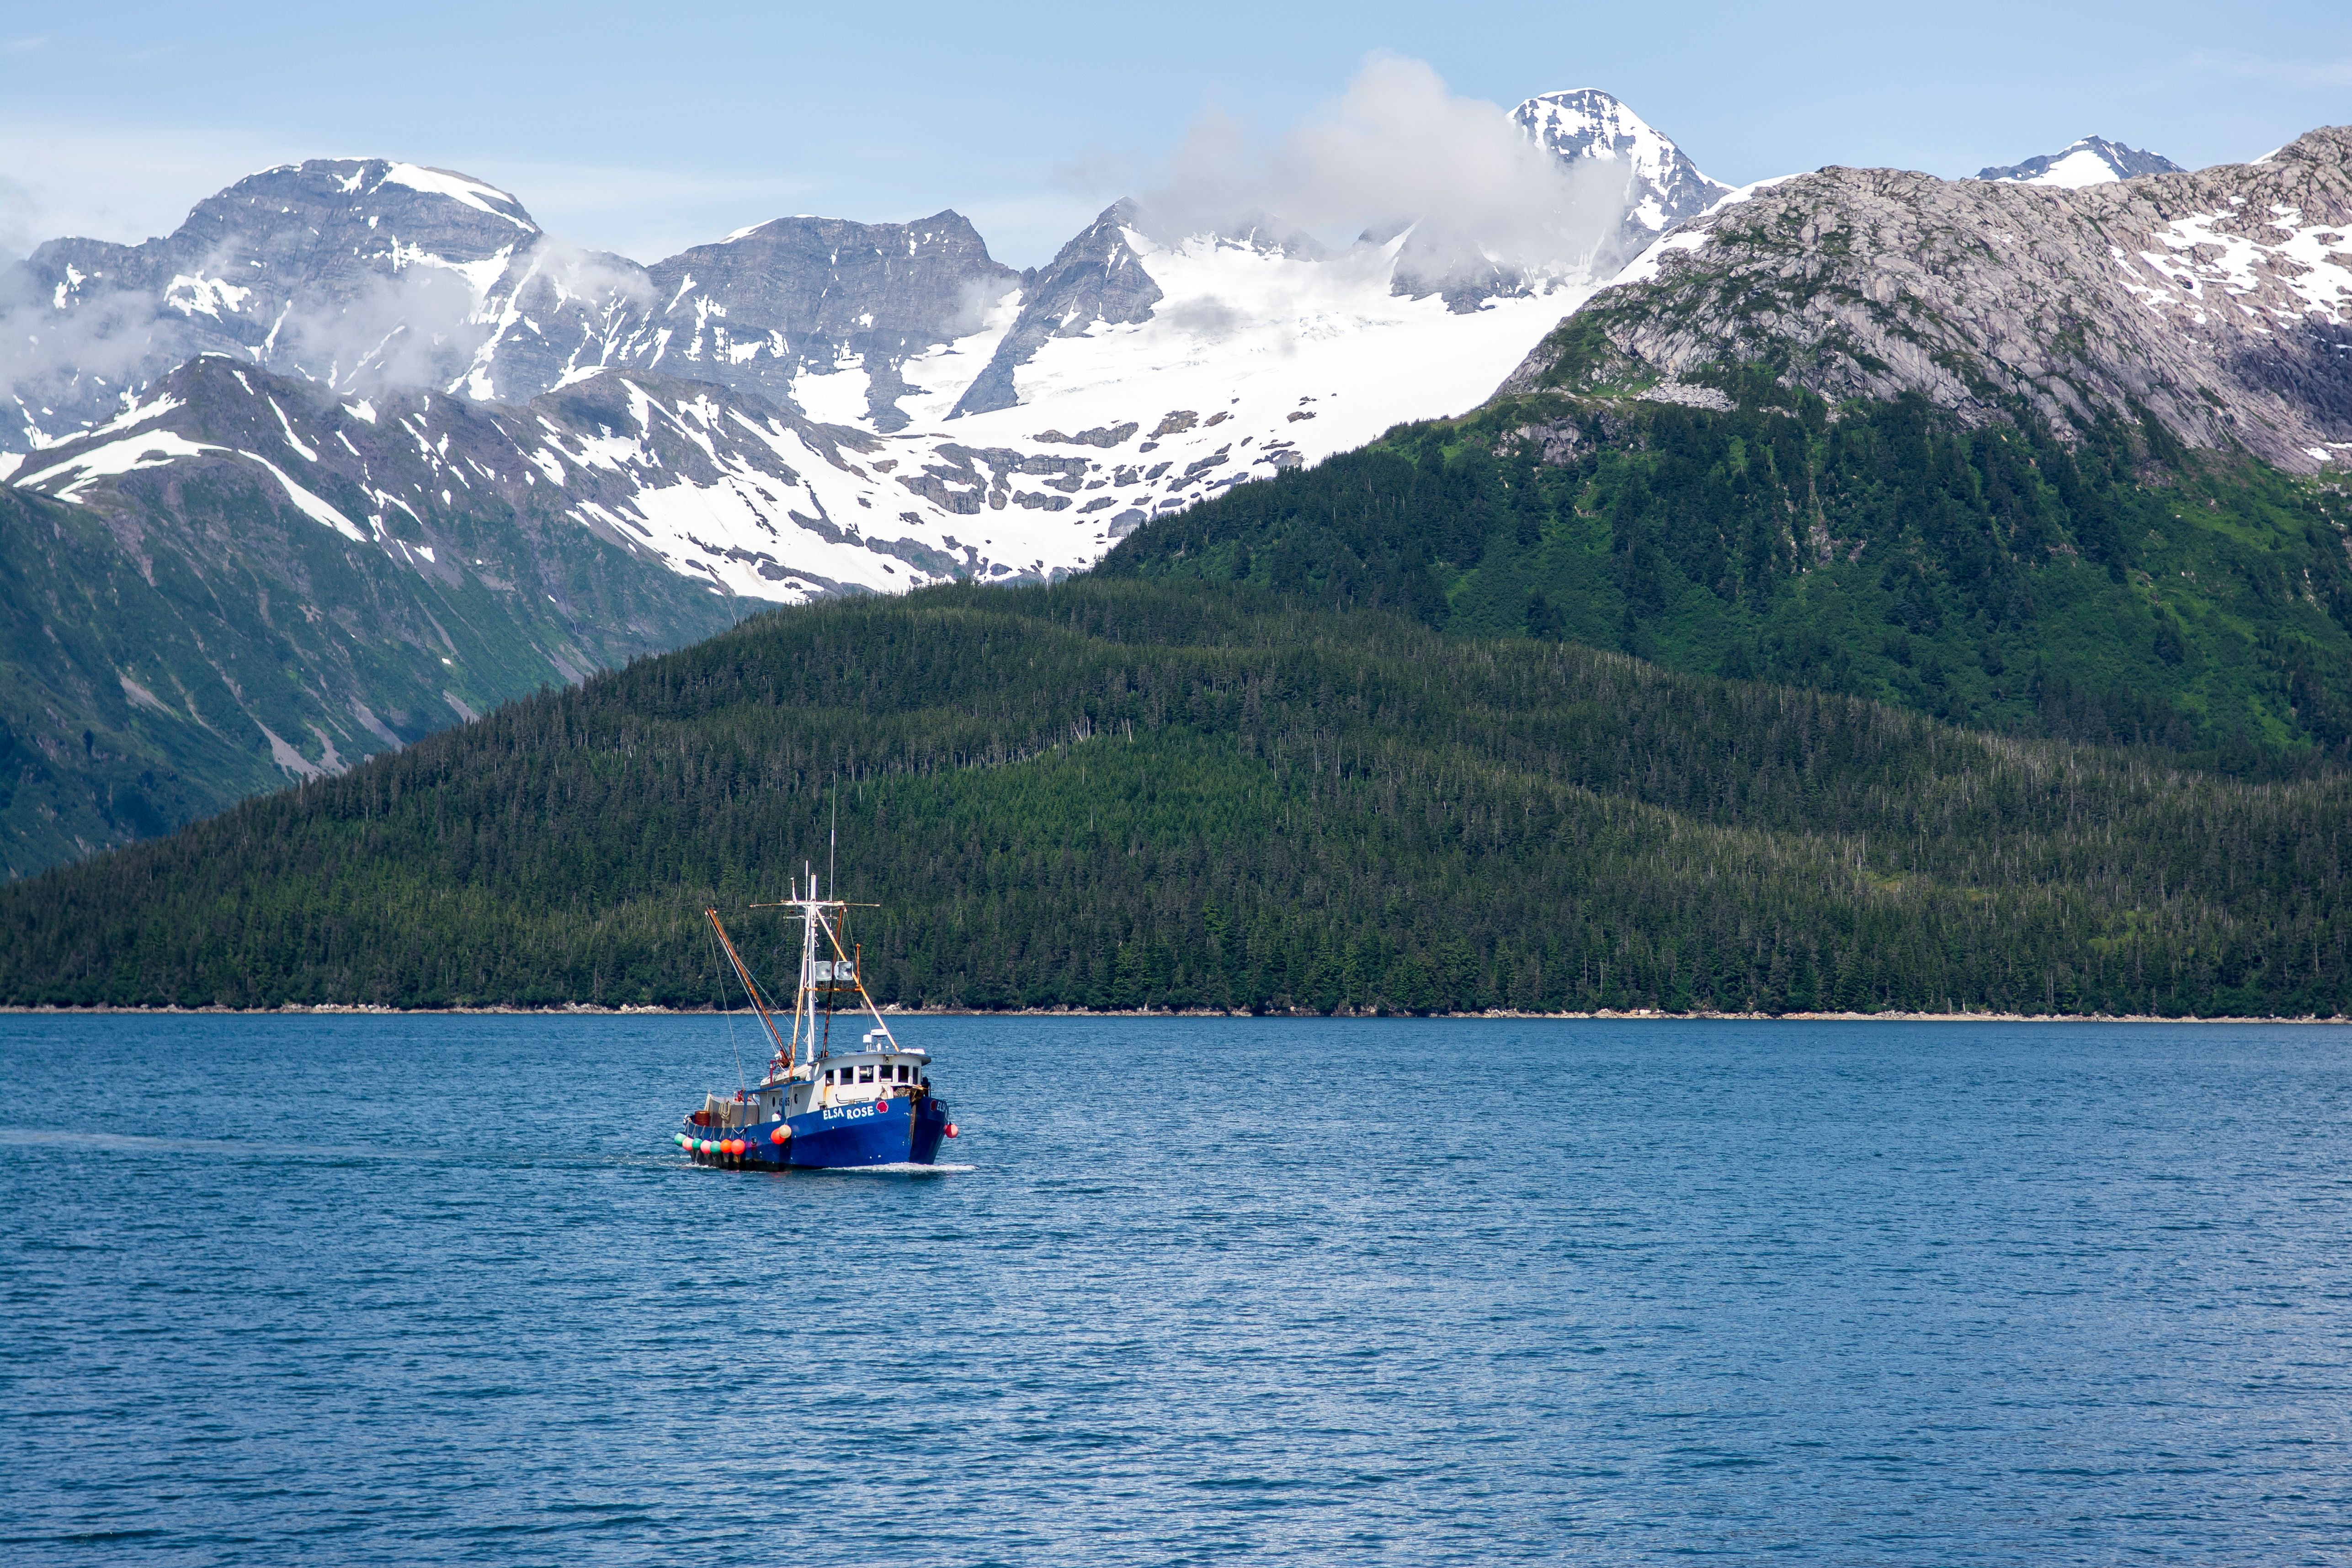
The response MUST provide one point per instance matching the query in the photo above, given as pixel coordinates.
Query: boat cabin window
(866, 1075)
(906, 1074)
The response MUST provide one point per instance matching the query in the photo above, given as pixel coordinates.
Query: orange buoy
(779, 1135)
(952, 1132)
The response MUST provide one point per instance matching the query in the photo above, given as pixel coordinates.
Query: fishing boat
(868, 1103)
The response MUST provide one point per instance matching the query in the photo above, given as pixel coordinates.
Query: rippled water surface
(435, 1289)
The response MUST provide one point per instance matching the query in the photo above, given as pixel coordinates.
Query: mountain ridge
(2091, 161)
(1152, 372)
(2049, 461)
(2215, 302)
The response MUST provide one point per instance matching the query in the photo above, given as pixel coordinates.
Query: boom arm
(745, 975)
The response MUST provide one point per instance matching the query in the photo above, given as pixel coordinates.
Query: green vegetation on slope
(1117, 793)
(212, 640)
(2122, 591)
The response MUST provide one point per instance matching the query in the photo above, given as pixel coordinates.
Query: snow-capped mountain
(753, 311)
(1661, 185)
(337, 270)
(1202, 365)
(915, 381)
(359, 450)
(359, 273)
(2093, 161)
(717, 486)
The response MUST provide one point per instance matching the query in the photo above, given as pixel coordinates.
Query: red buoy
(735, 1145)
(952, 1132)
(778, 1136)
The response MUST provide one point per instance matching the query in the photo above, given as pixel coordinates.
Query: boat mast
(812, 907)
(856, 978)
(805, 1003)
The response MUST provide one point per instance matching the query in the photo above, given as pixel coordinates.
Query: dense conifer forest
(2122, 591)
(1121, 792)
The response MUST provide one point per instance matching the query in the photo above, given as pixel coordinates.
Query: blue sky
(645, 129)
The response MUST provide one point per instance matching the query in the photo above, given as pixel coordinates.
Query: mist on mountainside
(1397, 149)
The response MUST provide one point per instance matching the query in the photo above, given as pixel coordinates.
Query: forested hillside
(2126, 589)
(2060, 462)
(1120, 793)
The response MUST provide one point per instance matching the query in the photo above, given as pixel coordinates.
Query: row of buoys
(713, 1146)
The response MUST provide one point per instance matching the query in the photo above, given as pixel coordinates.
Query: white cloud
(1397, 148)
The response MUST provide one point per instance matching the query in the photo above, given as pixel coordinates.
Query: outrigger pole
(749, 984)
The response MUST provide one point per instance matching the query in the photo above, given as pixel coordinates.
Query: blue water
(424, 1290)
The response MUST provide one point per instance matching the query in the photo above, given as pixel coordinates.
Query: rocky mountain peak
(2093, 161)
(319, 222)
(335, 268)
(1662, 186)
(1096, 277)
(2218, 304)
(758, 307)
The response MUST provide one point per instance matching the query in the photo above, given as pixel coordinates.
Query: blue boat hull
(896, 1132)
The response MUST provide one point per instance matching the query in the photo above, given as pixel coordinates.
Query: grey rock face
(751, 310)
(598, 458)
(1661, 185)
(364, 273)
(2218, 303)
(2119, 161)
(333, 270)
(1098, 276)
